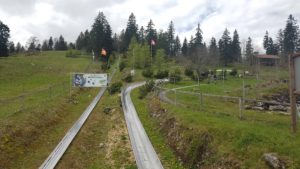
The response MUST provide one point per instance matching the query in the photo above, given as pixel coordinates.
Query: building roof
(267, 56)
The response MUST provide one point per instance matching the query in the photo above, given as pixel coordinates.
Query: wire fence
(242, 108)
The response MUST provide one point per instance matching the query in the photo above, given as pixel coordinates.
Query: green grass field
(28, 136)
(243, 141)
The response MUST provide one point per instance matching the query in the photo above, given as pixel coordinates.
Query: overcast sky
(45, 18)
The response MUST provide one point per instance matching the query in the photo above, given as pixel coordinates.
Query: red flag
(152, 42)
(103, 52)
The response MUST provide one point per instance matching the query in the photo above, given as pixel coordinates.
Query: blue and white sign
(89, 80)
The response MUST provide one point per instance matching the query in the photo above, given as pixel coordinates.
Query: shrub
(233, 72)
(175, 76)
(161, 74)
(128, 78)
(147, 73)
(189, 72)
(122, 65)
(145, 89)
(73, 53)
(115, 88)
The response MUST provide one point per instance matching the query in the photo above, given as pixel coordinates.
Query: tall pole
(151, 54)
(292, 94)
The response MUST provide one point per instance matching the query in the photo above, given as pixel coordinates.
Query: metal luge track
(145, 155)
(62, 146)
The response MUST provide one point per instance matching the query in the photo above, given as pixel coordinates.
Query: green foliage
(160, 59)
(148, 87)
(175, 76)
(128, 78)
(122, 65)
(73, 53)
(189, 72)
(115, 88)
(233, 72)
(148, 73)
(160, 74)
(4, 35)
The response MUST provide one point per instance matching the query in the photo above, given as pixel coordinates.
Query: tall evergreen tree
(151, 34)
(266, 40)
(280, 43)
(11, 47)
(171, 40)
(45, 46)
(198, 37)
(141, 35)
(235, 48)
(4, 35)
(225, 48)
(131, 31)
(61, 44)
(18, 47)
(290, 36)
(80, 41)
(162, 40)
(184, 48)
(50, 43)
(177, 46)
(214, 55)
(101, 35)
(249, 52)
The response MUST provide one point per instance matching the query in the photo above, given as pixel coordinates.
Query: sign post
(294, 87)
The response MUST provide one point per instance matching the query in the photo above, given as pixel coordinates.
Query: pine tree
(184, 48)
(177, 47)
(235, 48)
(162, 40)
(290, 36)
(18, 47)
(214, 55)
(141, 35)
(280, 43)
(266, 40)
(4, 35)
(225, 48)
(101, 36)
(12, 48)
(249, 51)
(61, 44)
(50, 43)
(151, 34)
(45, 46)
(131, 31)
(171, 40)
(80, 41)
(198, 37)
(160, 59)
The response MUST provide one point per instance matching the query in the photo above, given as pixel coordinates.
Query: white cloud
(54, 17)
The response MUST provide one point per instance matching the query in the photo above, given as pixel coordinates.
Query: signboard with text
(89, 80)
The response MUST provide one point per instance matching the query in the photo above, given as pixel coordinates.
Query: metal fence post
(241, 107)
(175, 97)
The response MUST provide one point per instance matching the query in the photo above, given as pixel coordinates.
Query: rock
(101, 145)
(273, 161)
(278, 108)
(257, 108)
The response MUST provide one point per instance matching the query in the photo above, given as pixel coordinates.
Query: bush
(122, 65)
(73, 53)
(147, 73)
(115, 88)
(175, 76)
(161, 74)
(128, 78)
(233, 72)
(189, 72)
(145, 89)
